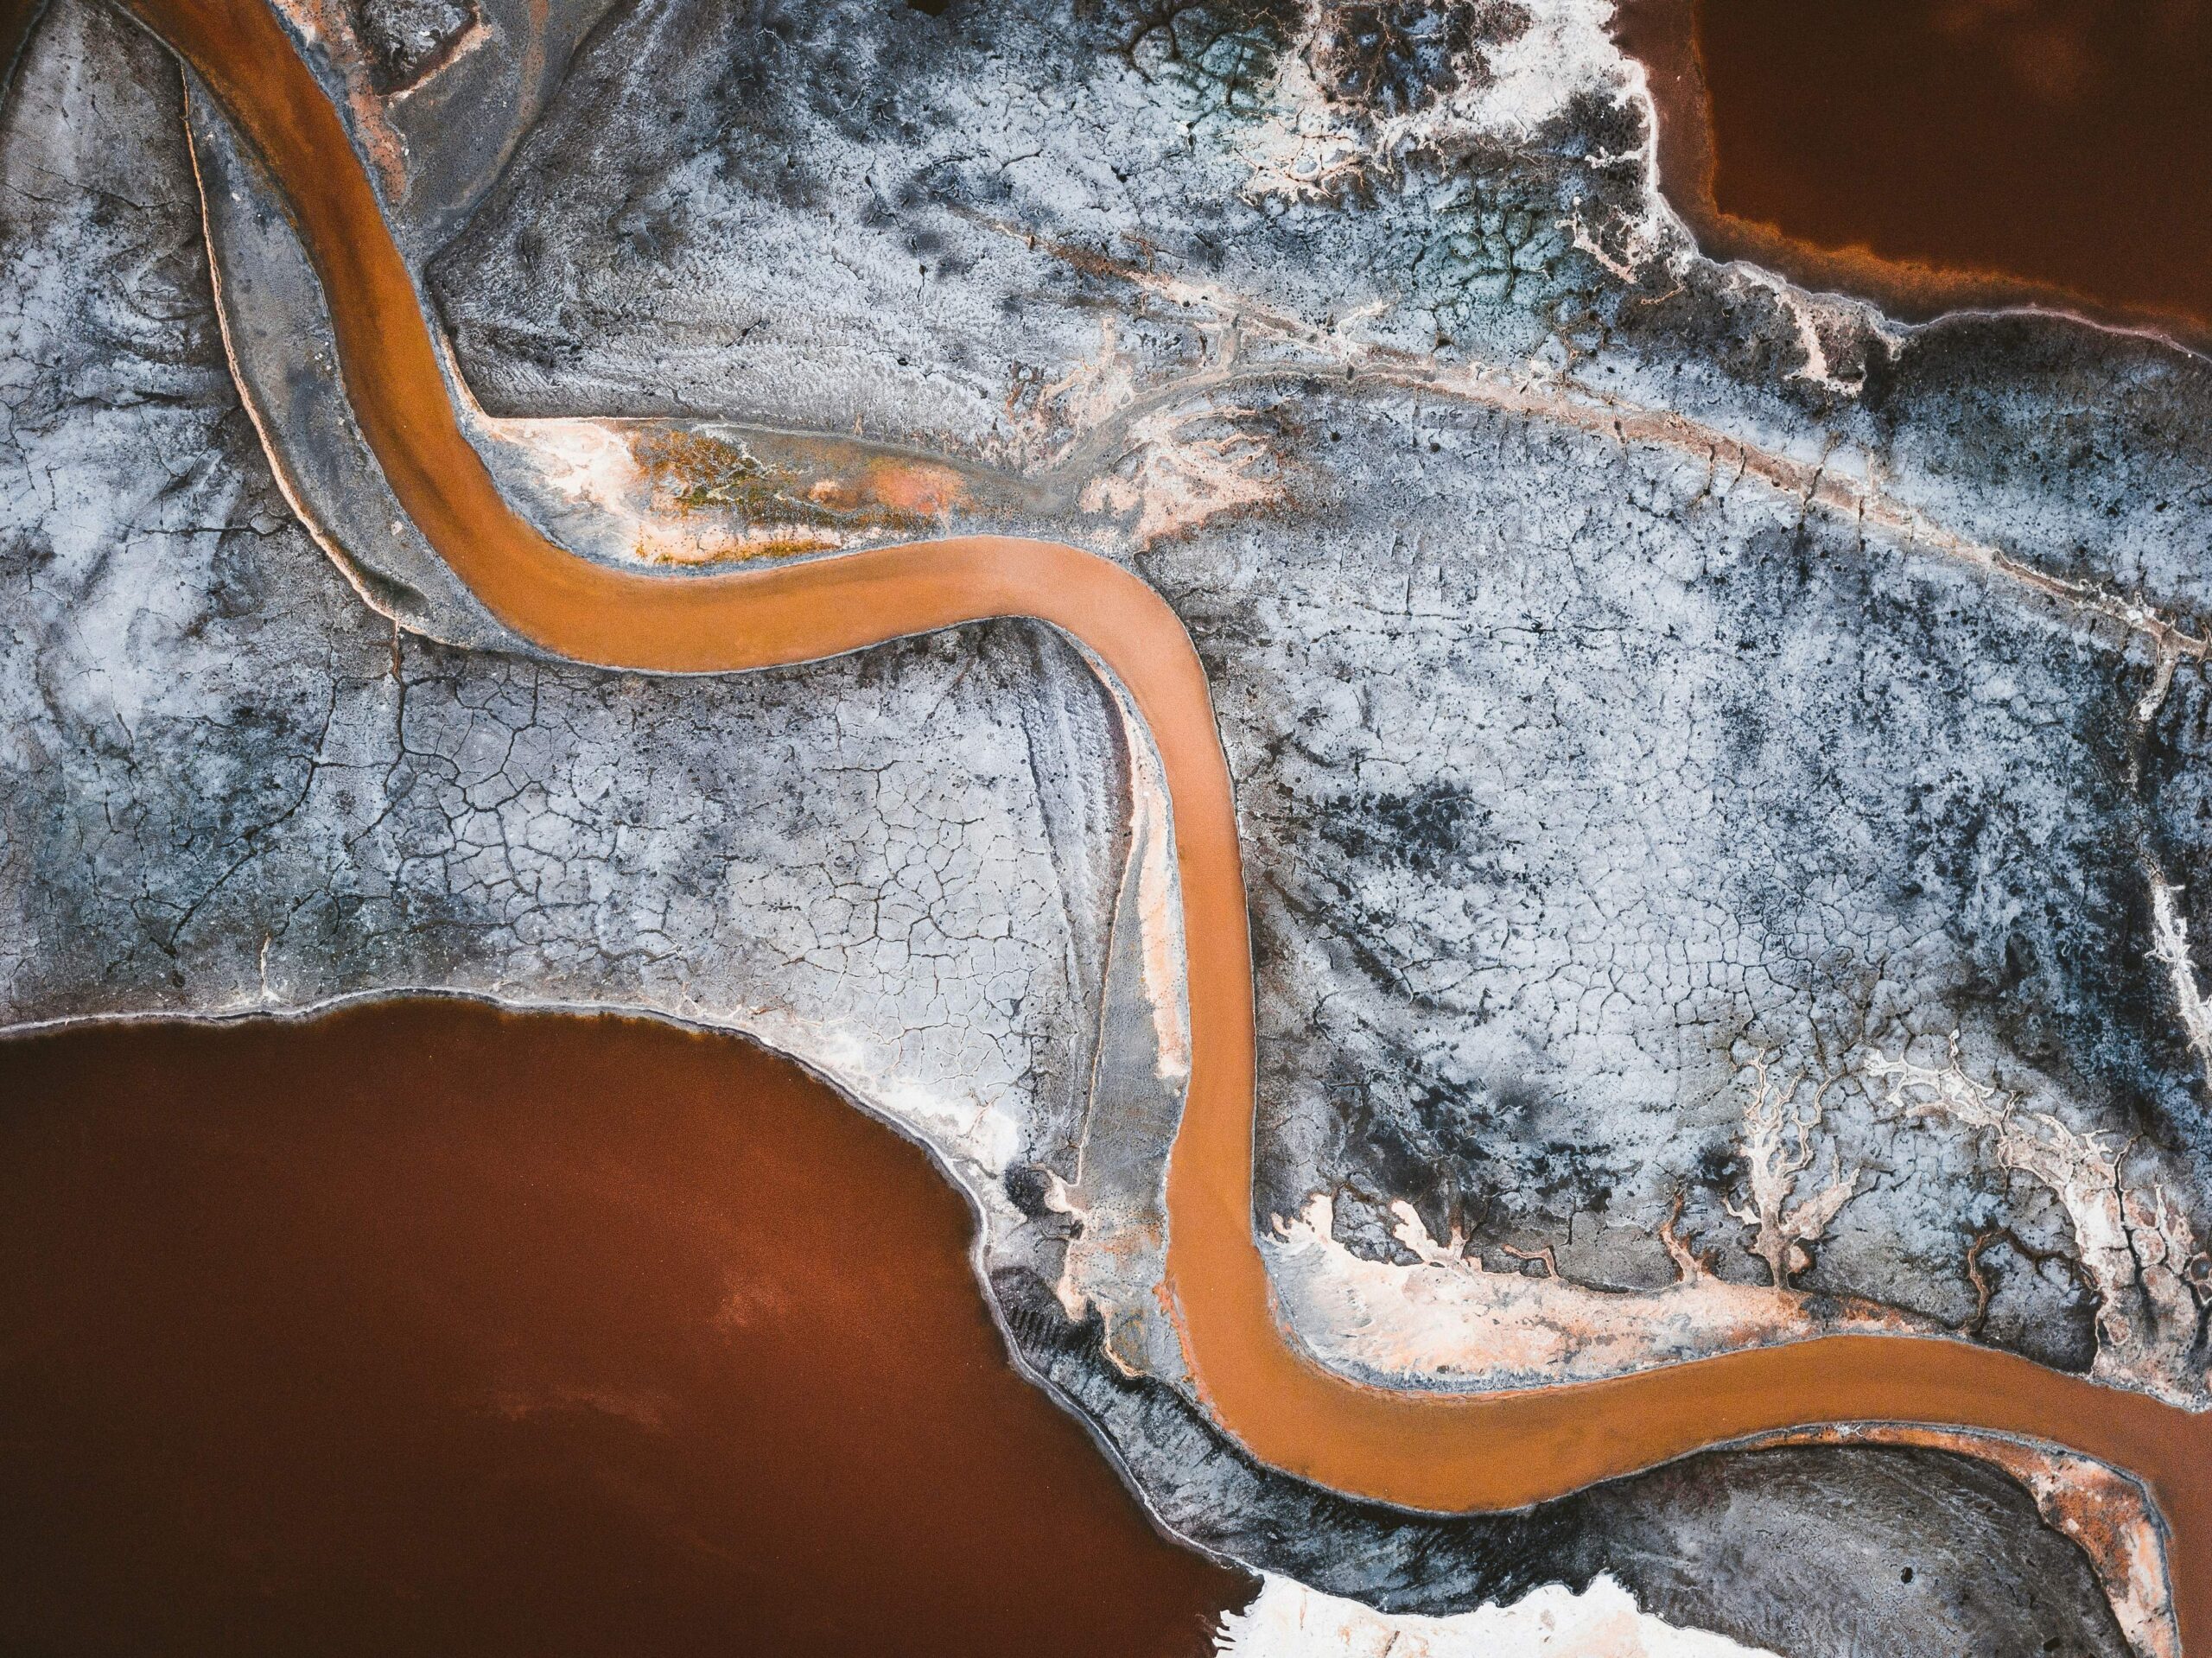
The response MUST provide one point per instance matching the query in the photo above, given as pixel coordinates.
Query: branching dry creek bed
(1718, 772)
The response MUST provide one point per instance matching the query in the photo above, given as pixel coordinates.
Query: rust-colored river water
(1442, 1452)
(422, 1328)
(1930, 154)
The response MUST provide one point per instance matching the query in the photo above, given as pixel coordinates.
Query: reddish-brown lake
(422, 1328)
(2051, 149)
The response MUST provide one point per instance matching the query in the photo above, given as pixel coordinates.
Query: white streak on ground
(1291, 1621)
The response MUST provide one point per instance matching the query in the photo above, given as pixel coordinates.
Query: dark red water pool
(422, 1328)
(1937, 152)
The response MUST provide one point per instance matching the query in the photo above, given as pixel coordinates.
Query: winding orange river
(1435, 1452)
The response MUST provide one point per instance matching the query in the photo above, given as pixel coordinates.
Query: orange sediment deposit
(698, 472)
(1444, 1453)
(911, 486)
(692, 474)
(711, 493)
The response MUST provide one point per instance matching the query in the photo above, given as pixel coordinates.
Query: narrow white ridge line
(2169, 929)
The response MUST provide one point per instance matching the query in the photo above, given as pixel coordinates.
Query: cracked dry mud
(1717, 770)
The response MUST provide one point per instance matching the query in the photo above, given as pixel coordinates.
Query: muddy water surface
(422, 1328)
(1933, 153)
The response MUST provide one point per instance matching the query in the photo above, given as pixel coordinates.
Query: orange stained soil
(1441, 1453)
(1932, 154)
(914, 486)
(422, 1328)
(693, 472)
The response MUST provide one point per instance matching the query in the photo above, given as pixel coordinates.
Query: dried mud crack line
(1440, 1452)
